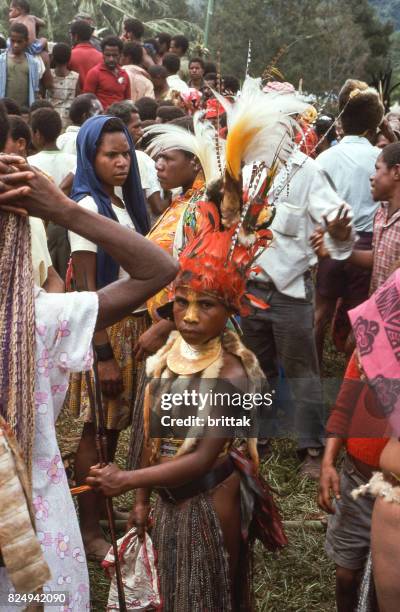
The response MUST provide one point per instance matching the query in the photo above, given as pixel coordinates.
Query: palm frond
(48, 10)
(174, 26)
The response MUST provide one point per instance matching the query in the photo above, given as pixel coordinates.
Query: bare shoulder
(232, 368)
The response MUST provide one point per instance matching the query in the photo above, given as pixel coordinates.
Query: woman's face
(199, 317)
(113, 159)
(175, 169)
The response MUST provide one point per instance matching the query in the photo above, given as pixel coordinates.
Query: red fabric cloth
(356, 413)
(261, 521)
(108, 86)
(84, 57)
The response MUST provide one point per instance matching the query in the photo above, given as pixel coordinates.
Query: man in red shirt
(83, 55)
(108, 81)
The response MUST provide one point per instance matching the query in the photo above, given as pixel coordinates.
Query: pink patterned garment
(376, 325)
(64, 329)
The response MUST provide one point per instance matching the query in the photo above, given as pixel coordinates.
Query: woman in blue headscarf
(106, 181)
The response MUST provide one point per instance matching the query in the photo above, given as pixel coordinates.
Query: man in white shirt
(283, 334)
(82, 108)
(349, 165)
(46, 128)
(60, 166)
(172, 64)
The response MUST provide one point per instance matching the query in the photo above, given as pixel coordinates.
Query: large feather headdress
(203, 144)
(261, 127)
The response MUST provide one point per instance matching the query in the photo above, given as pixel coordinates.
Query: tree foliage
(158, 15)
(326, 40)
(388, 10)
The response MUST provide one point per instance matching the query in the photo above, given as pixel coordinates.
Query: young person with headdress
(203, 516)
(187, 161)
(211, 503)
(106, 163)
(43, 338)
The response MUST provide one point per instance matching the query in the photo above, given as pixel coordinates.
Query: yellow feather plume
(260, 126)
(238, 141)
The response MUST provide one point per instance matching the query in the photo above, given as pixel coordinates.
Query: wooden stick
(99, 424)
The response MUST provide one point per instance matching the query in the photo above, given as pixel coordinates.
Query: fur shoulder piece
(232, 343)
(156, 363)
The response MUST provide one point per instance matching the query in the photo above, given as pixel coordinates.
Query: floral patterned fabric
(64, 329)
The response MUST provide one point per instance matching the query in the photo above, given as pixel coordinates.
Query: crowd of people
(167, 229)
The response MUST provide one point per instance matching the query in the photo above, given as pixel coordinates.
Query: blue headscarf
(86, 183)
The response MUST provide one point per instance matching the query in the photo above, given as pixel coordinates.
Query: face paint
(199, 317)
(192, 314)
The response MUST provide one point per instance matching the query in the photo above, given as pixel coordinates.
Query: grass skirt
(192, 563)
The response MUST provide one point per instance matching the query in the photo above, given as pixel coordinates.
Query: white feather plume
(202, 144)
(260, 126)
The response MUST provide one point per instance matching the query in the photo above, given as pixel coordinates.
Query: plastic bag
(139, 575)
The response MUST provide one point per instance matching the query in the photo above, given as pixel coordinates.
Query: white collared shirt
(300, 207)
(350, 164)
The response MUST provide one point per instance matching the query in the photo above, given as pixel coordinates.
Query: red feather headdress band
(209, 264)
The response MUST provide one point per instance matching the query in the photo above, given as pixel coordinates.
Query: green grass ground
(299, 579)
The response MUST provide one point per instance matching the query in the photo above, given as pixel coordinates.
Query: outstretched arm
(149, 267)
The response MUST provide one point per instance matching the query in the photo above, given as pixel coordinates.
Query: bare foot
(96, 549)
